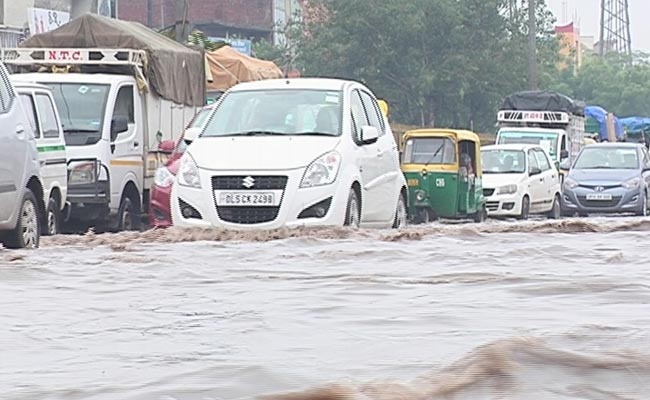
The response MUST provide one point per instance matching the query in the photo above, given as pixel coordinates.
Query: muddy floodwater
(504, 310)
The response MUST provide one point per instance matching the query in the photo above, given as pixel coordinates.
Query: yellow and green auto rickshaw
(443, 171)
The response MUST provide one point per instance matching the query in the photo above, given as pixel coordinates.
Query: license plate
(414, 182)
(599, 196)
(246, 198)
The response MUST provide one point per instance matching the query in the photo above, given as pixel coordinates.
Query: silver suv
(21, 190)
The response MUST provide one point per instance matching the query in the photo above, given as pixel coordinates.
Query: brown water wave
(509, 369)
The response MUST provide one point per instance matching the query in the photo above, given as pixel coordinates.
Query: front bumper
(159, 206)
(503, 205)
(191, 207)
(622, 200)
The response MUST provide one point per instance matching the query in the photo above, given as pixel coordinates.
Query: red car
(160, 193)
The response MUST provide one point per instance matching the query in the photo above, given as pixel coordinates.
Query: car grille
(250, 214)
(605, 187)
(492, 205)
(488, 192)
(237, 182)
(599, 203)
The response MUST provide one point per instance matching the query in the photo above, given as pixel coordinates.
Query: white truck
(116, 106)
(548, 119)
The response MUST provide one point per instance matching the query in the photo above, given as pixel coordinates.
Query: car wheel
(353, 211)
(643, 212)
(481, 215)
(525, 208)
(53, 226)
(128, 215)
(556, 211)
(400, 213)
(27, 233)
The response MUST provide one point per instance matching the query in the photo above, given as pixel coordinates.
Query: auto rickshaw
(443, 171)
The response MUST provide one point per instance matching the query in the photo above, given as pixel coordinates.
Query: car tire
(353, 210)
(556, 211)
(128, 215)
(401, 215)
(53, 221)
(525, 208)
(481, 215)
(643, 212)
(27, 234)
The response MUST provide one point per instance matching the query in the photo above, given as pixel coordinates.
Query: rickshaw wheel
(481, 215)
(424, 216)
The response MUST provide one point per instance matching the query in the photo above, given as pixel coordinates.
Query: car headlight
(163, 178)
(633, 183)
(507, 189)
(570, 183)
(83, 173)
(420, 195)
(188, 173)
(322, 171)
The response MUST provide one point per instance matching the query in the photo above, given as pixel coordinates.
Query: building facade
(571, 45)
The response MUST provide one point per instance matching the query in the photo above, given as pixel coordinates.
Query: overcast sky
(588, 12)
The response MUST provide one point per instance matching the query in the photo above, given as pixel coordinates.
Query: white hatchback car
(519, 180)
(292, 152)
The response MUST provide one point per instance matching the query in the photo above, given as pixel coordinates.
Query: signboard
(42, 20)
(66, 55)
(243, 46)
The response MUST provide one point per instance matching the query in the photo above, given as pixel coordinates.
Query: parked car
(21, 190)
(519, 180)
(159, 208)
(44, 120)
(292, 152)
(608, 178)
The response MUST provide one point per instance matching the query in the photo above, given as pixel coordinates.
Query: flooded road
(535, 310)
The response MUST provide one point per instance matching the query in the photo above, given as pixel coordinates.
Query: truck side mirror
(564, 154)
(119, 124)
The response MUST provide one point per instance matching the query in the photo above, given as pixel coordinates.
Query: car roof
(624, 145)
(460, 134)
(511, 146)
(18, 84)
(294, 83)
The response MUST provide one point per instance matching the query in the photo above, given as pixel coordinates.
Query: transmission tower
(615, 27)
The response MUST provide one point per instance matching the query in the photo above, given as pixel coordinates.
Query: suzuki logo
(248, 182)
(599, 188)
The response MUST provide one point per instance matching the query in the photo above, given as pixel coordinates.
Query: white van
(21, 191)
(44, 120)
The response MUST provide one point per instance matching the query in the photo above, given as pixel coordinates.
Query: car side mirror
(191, 134)
(564, 154)
(369, 134)
(119, 124)
(535, 171)
(166, 146)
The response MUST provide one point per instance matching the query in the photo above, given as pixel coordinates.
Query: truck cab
(553, 141)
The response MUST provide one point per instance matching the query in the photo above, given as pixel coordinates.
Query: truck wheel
(53, 226)
(525, 208)
(353, 211)
(27, 233)
(128, 215)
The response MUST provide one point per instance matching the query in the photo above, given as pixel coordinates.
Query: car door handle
(136, 144)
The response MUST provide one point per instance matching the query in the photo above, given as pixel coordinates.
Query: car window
(542, 160)
(49, 123)
(30, 110)
(372, 111)
(6, 92)
(358, 115)
(532, 161)
(124, 103)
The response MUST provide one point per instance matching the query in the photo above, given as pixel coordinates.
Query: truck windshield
(435, 150)
(303, 112)
(82, 108)
(547, 140)
(503, 161)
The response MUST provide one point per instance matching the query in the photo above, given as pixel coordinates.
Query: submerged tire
(53, 215)
(353, 210)
(401, 215)
(128, 215)
(525, 208)
(27, 234)
(481, 215)
(556, 211)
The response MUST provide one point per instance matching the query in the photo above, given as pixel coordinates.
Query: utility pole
(181, 21)
(150, 13)
(81, 7)
(532, 46)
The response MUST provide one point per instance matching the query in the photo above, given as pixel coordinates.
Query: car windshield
(503, 161)
(82, 108)
(607, 158)
(429, 151)
(277, 112)
(548, 141)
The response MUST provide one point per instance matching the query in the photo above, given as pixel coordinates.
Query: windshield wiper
(258, 133)
(434, 154)
(315, 134)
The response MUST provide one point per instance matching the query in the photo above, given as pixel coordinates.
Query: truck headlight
(322, 171)
(633, 183)
(163, 178)
(83, 173)
(570, 183)
(507, 189)
(188, 173)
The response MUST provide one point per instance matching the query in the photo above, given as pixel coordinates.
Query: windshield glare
(503, 161)
(607, 158)
(82, 108)
(548, 141)
(429, 151)
(279, 111)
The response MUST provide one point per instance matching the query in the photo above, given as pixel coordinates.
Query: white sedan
(288, 153)
(519, 180)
